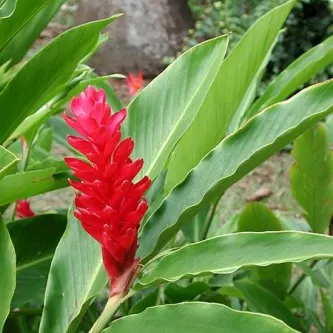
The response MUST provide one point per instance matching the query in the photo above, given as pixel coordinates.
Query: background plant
(309, 23)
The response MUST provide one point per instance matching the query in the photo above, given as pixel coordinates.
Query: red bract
(108, 203)
(23, 209)
(134, 83)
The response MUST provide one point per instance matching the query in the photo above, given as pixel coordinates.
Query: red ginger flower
(23, 209)
(134, 83)
(109, 204)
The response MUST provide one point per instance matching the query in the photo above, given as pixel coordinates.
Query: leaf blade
(236, 74)
(7, 272)
(76, 276)
(311, 177)
(234, 157)
(244, 249)
(177, 101)
(197, 317)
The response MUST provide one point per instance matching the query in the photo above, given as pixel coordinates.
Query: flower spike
(109, 203)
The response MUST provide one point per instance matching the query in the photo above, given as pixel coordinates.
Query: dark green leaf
(257, 217)
(263, 301)
(35, 240)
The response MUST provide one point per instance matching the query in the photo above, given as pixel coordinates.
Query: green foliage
(197, 317)
(34, 240)
(243, 249)
(199, 130)
(238, 70)
(310, 19)
(7, 273)
(234, 157)
(257, 217)
(311, 177)
(76, 277)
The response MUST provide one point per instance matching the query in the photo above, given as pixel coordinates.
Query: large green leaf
(162, 112)
(24, 12)
(311, 177)
(8, 162)
(76, 276)
(25, 35)
(30, 183)
(7, 8)
(263, 301)
(224, 98)
(35, 240)
(234, 157)
(227, 253)
(294, 76)
(40, 77)
(197, 317)
(257, 217)
(7, 272)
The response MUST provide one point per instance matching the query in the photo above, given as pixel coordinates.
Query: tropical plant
(152, 176)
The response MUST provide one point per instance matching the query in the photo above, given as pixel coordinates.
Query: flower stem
(110, 309)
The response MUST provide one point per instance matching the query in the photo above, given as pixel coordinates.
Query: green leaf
(307, 295)
(263, 301)
(197, 317)
(294, 76)
(145, 302)
(233, 158)
(177, 293)
(48, 69)
(7, 272)
(30, 183)
(160, 114)
(257, 217)
(8, 162)
(311, 177)
(328, 311)
(77, 274)
(242, 249)
(25, 11)
(7, 8)
(35, 240)
(226, 94)
(25, 35)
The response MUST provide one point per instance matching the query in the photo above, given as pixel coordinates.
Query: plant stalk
(110, 309)
(301, 279)
(24, 166)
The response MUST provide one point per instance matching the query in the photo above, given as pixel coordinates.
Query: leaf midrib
(36, 262)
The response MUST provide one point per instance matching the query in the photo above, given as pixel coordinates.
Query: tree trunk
(149, 30)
